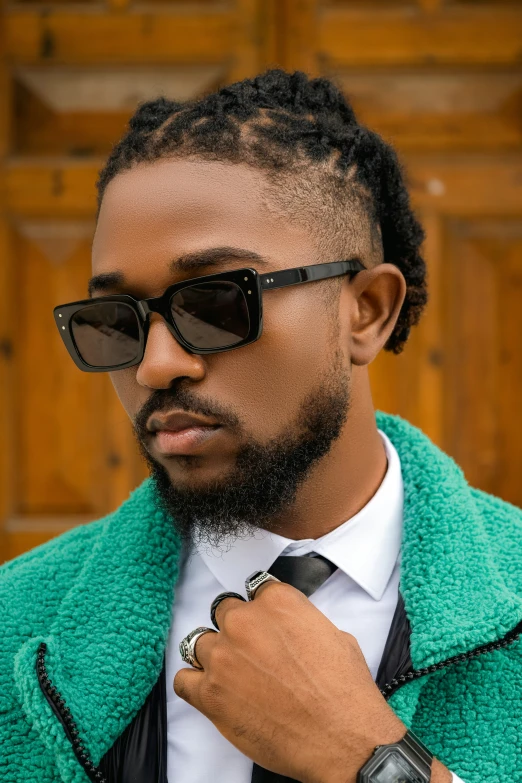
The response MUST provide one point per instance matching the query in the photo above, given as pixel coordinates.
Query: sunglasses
(208, 314)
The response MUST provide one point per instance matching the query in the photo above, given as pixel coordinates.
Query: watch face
(394, 768)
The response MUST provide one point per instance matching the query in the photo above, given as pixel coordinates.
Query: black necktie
(307, 574)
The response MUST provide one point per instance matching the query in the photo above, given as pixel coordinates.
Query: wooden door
(71, 76)
(441, 80)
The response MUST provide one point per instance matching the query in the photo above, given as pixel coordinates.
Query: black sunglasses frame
(251, 283)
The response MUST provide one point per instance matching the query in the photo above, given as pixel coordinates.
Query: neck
(343, 482)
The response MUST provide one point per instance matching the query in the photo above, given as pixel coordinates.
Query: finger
(273, 585)
(225, 605)
(187, 683)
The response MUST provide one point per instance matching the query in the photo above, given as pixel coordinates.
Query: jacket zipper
(63, 712)
(391, 687)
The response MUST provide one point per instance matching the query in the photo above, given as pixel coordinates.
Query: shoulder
(498, 523)
(32, 589)
(33, 584)
(63, 551)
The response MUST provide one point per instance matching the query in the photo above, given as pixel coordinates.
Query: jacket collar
(454, 593)
(105, 648)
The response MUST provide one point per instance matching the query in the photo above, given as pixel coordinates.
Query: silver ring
(187, 646)
(255, 580)
(215, 603)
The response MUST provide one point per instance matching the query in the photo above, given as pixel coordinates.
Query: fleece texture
(100, 597)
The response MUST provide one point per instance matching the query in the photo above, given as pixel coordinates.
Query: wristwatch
(406, 761)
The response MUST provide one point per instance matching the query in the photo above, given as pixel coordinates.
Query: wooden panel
(6, 380)
(484, 362)
(56, 187)
(60, 454)
(60, 36)
(428, 109)
(69, 468)
(467, 185)
(23, 534)
(397, 37)
(6, 313)
(326, 36)
(83, 111)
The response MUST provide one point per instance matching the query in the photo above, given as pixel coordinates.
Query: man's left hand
(290, 690)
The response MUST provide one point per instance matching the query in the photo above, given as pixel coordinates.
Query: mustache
(162, 400)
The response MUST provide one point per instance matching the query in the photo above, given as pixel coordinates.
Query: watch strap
(415, 745)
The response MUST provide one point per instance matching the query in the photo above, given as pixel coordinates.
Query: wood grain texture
(399, 36)
(7, 396)
(440, 79)
(431, 109)
(484, 361)
(53, 187)
(170, 37)
(74, 75)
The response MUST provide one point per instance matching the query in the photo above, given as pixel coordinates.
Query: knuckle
(352, 642)
(235, 619)
(223, 608)
(280, 594)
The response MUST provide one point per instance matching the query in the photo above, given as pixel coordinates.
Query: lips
(175, 421)
(178, 433)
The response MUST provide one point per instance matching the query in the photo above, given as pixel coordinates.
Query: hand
(289, 689)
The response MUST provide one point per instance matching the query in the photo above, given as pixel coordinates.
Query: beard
(265, 479)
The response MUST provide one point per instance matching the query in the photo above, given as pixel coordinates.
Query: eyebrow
(190, 262)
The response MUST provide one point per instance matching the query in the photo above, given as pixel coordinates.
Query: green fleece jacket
(100, 598)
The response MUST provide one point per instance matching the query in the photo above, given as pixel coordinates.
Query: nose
(165, 360)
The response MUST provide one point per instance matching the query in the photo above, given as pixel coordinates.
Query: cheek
(128, 390)
(266, 383)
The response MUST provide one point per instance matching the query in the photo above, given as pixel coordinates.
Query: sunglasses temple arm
(307, 274)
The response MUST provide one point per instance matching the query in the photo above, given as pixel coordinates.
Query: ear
(376, 298)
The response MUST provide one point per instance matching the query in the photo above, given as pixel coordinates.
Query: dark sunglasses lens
(211, 315)
(106, 334)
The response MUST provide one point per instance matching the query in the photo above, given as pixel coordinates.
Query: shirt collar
(365, 547)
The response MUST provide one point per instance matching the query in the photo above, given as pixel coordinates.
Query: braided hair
(302, 134)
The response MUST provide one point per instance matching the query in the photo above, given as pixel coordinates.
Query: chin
(193, 472)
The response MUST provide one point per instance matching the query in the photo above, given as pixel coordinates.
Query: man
(393, 652)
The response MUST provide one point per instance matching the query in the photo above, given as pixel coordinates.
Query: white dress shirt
(360, 598)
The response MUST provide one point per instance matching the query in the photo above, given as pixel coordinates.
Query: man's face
(269, 398)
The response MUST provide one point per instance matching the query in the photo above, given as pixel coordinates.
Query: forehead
(154, 213)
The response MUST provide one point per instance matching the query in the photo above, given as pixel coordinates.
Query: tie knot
(305, 573)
